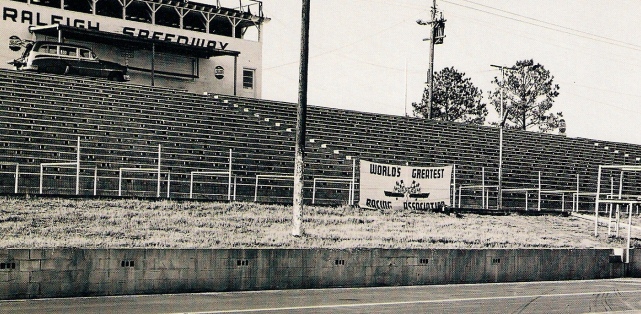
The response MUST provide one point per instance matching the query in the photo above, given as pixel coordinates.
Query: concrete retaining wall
(39, 273)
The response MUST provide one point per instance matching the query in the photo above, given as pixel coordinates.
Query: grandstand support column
(300, 121)
(235, 75)
(153, 64)
(596, 202)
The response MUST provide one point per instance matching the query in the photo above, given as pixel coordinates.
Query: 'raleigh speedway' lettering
(143, 33)
(36, 19)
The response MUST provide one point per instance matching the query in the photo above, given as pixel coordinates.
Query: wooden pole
(430, 71)
(300, 122)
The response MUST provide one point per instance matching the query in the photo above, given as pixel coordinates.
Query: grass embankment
(47, 223)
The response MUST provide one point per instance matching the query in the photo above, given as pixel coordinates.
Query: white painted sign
(384, 186)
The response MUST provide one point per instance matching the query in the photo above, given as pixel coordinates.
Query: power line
(557, 25)
(601, 89)
(341, 47)
(591, 37)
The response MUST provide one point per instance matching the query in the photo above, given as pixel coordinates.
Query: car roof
(41, 43)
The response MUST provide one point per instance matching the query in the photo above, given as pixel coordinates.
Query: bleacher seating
(121, 125)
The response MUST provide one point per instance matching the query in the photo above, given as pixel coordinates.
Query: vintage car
(60, 58)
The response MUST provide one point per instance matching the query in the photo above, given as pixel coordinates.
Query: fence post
(483, 187)
(191, 186)
(577, 193)
(454, 190)
(627, 254)
(158, 190)
(596, 202)
(235, 187)
(539, 191)
(15, 189)
(256, 190)
(229, 180)
(41, 170)
(353, 187)
(78, 168)
(610, 206)
(95, 181)
(314, 192)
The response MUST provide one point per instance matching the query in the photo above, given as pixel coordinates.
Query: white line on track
(331, 306)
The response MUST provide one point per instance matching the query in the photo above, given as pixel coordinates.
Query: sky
(369, 55)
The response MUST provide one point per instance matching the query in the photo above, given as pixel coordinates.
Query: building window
(248, 78)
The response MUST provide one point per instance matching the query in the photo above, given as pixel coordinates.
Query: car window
(48, 49)
(68, 51)
(85, 53)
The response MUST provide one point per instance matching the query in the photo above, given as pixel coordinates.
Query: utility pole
(436, 37)
(430, 71)
(502, 117)
(301, 115)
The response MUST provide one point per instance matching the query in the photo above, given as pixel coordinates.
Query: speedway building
(169, 43)
(191, 124)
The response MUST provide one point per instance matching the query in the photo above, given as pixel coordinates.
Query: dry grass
(45, 223)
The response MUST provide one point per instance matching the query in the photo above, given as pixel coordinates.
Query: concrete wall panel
(40, 273)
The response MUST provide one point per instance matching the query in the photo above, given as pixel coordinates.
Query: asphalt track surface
(587, 296)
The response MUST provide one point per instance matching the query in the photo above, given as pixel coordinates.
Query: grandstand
(126, 125)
